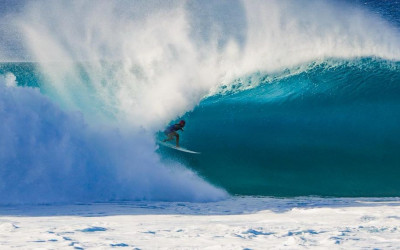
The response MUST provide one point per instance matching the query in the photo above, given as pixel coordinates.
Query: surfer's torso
(173, 128)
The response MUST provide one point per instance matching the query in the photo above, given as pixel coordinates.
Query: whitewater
(293, 104)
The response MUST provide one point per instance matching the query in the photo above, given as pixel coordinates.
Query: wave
(107, 76)
(329, 130)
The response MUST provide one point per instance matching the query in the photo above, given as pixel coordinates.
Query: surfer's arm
(178, 127)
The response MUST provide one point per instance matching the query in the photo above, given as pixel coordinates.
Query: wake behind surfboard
(180, 148)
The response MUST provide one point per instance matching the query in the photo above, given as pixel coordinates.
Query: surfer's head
(182, 123)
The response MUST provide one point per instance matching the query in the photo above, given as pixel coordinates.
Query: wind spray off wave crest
(145, 64)
(139, 70)
(284, 34)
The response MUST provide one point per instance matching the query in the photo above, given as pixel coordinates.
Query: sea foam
(49, 155)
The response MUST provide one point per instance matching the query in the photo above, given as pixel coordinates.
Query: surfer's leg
(170, 136)
(177, 139)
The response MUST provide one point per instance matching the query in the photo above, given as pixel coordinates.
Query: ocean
(294, 106)
(282, 99)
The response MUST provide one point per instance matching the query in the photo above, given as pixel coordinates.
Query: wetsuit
(173, 128)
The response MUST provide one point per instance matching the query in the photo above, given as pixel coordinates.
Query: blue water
(293, 98)
(330, 130)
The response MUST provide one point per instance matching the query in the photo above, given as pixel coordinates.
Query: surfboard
(180, 148)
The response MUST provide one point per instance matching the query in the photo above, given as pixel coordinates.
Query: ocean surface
(282, 99)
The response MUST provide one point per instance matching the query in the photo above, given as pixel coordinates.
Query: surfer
(171, 132)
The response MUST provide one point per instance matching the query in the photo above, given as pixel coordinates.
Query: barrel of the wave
(329, 130)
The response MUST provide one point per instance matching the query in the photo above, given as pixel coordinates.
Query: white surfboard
(180, 149)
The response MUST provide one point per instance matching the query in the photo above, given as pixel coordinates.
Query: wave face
(329, 130)
(282, 97)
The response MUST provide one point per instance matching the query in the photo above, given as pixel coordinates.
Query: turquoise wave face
(330, 131)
